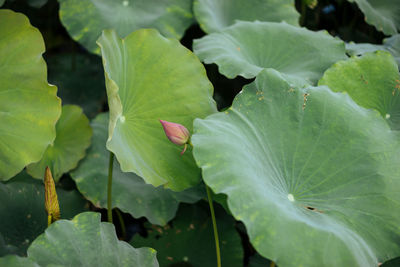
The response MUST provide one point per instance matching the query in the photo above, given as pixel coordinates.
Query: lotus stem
(109, 188)
(121, 223)
(214, 222)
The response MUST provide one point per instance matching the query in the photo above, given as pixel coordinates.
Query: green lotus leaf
(384, 15)
(29, 107)
(246, 48)
(23, 217)
(314, 177)
(80, 80)
(85, 19)
(15, 261)
(373, 81)
(214, 15)
(391, 45)
(189, 239)
(73, 134)
(86, 241)
(151, 78)
(129, 192)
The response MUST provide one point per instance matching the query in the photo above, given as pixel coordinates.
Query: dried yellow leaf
(51, 200)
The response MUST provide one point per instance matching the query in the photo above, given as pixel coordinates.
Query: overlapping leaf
(129, 192)
(314, 177)
(148, 78)
(73, 135)
(23, 215)
(189, 240)
(214, 15)
(391, 45)
(373, 81)
(246, 48)
(383, 14)
(29, 107)
(84, 241)
(85, 19)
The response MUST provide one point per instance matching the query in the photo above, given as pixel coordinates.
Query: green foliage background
(294, 107)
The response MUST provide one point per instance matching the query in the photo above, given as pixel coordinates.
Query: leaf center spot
(387, 116)
(290, 197)
(122, 118)
(125, 3)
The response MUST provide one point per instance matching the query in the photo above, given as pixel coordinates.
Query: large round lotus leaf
(85, 19)
(80, 80)
(148, 78)
(214, 15)
(391, 45)
(29, 107)
(373, 81)
(383, 14)
(189, 239)
(129, 192)
(73, 134)
(313, 176)
(246, 48)
(86, 241)
(22, 212)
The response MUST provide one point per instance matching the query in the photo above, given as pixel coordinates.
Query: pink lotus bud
(176, 133)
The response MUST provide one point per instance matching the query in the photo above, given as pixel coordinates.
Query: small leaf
(51, 201)
(73, 135)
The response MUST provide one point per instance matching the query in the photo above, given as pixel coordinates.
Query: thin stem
(49, 219)
(121, 223)
(303, 12)
(214, 222)
(272, 264)
(109, 188)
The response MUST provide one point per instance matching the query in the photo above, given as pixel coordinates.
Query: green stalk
(214, 222)
(303, 12)
(121, 223)
(109, 188)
